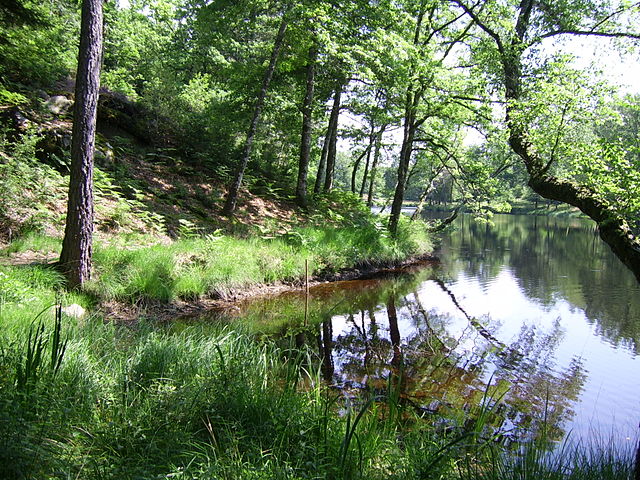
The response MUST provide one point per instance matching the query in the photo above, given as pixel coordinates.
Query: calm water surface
(534, 311)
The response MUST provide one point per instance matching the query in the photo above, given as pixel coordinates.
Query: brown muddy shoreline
(228, 300)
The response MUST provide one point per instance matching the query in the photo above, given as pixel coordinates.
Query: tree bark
(75, 258)
(426, 192)
(374, 167)
(333, 139)
(356, 166)
(367, 163)
(405, 159)
(305, 141)
(411, 124)
(322, 166)
(234, 187)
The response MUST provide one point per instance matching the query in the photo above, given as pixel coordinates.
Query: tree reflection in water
(499, 318)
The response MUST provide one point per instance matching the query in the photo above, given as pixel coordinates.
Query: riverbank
(145, 399)
(208, 401)
(147, 278)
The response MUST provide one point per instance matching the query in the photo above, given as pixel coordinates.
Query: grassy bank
(86, 398)
(212, 266)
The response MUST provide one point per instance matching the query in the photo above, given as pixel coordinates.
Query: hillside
(141, 186)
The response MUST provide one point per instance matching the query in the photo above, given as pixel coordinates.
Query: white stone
(74, 310)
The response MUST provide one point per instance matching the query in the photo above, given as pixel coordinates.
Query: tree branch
(480, 24)
(635, 36)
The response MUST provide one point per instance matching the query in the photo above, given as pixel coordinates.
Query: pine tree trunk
(305, 141)
(234, 187)
(75, 258)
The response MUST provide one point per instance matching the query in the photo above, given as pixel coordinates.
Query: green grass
(33, 241)
(205, 401)
(192, 268)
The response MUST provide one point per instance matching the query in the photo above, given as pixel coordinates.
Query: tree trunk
(411, 124)
(356, 165)
(403, 166)
(75, 258)
(333, 139)
(374, 168)
(322, 166)
(367, 163)
(305, 142)
(234, 187)
(429, 188)
(613, 228)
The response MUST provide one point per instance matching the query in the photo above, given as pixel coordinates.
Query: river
(531, 315)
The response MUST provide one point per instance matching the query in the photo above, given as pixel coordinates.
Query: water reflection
(533, 317)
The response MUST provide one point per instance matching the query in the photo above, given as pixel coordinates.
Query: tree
(512, 39)
(75, 258)
(431, 85)
(305, 141)
(234, 188)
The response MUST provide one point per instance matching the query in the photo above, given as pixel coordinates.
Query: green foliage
(42, 52)
(26, 186)
(8, 97)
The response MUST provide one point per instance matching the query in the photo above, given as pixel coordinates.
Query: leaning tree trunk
(367, 164)
(356, 166)
(75, 258)
(426, 192)
(613, 228)
(322, 165)
(305, 142)
(234, 188)
(374, 167)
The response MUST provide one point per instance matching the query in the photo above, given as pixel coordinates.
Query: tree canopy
(376, 98)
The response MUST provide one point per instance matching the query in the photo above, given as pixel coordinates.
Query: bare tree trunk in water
(326, 352)
(305, 142)
(234, 188)
(75, 258)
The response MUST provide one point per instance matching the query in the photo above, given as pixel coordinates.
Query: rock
(106, 157)
(74, 311)
(15, 120)
(43, 95)
(53, 148)
(58, 104)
